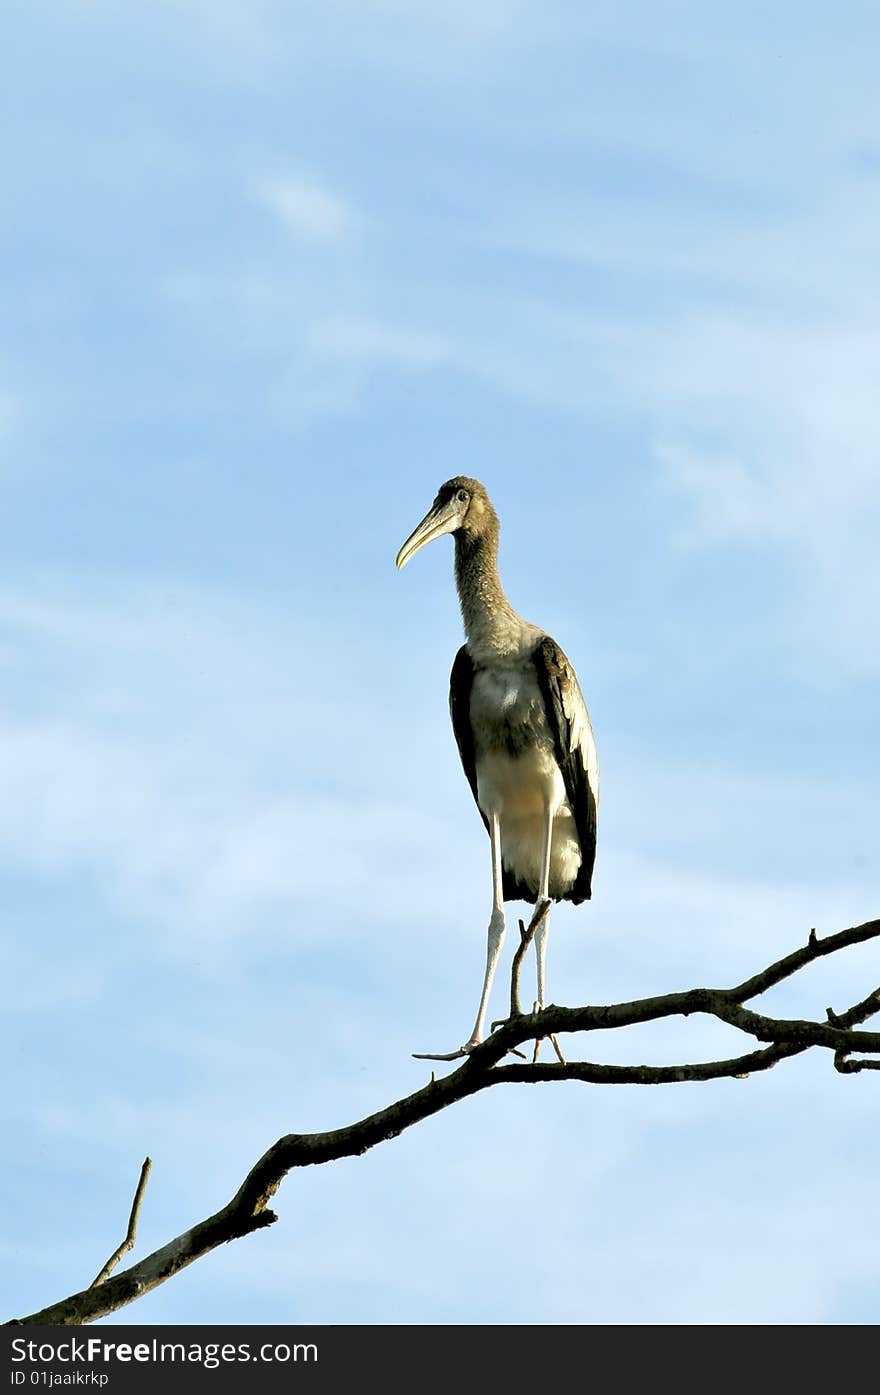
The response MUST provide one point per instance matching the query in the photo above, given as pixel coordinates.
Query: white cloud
(164, 758)
(155, 744)
(725, 500)
(761, 419)
(307, 210)
(804, 475)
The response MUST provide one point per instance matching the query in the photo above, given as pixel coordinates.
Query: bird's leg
(495, 940)
(543, 900)
(543, 904)
(497, 927)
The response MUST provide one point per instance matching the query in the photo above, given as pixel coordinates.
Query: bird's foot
(505, 1022)
(551, 1036)
(515, 1017)
(465, 1050)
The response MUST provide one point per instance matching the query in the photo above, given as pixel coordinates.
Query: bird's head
(462, 505)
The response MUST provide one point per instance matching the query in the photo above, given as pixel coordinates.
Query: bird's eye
(462, 496)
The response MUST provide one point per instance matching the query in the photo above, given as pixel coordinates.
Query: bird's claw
(465, 1050)
(551, 1037)
(506, 1021)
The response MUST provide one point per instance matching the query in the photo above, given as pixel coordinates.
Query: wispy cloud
(176, 778)
(799, 471)
(726, 500)
(306, 209)
(160, 753)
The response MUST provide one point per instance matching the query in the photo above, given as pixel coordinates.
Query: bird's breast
(517, 772)
(506, 711)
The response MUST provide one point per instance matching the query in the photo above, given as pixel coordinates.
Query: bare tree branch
(541, 911)
(131, 1233)
(248, 1209)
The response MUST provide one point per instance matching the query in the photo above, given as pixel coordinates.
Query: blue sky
(270, 274)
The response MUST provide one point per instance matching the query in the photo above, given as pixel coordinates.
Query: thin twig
(813, 949)
(131, 1233)
(539, 915)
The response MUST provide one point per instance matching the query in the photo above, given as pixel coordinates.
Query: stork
(523, 733)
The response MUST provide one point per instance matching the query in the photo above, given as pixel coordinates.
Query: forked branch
(852, 1052)
(131, 1233)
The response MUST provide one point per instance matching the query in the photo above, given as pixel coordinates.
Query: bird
(523, 734)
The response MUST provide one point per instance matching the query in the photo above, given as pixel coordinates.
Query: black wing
(575, 751)
(460, 683)
(461, 680)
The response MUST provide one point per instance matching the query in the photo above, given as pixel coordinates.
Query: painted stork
(523, 734)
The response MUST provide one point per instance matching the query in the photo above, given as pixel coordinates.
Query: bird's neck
(491, 624)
